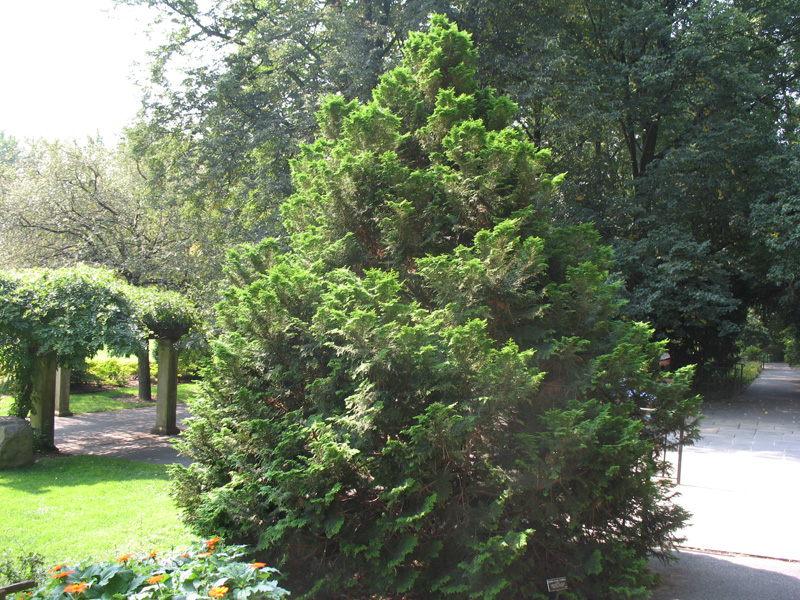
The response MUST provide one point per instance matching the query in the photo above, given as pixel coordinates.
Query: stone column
(143, 369)
(62, 392)
(167, 394)
(43, 416)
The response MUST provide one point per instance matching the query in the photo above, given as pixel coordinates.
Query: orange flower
(58, 567)
(204, 554)
(218, 592)
(212, 542)
(153, 554)
(185, 555)
(63, 574)
(258, 565)
(124, 558)
(156, 579)
(76, 588)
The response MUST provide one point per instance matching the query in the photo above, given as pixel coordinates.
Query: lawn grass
(121, 398)
(6, 403)
(75, 507)
(109, 399)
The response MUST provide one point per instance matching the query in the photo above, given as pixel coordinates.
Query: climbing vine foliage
(74, 313)
(428, 392)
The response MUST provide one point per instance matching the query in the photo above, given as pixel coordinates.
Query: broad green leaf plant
(211, 571)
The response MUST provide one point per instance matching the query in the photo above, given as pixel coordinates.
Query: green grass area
(70, 508)
(109, 399)
(5, 405)
(121, 398)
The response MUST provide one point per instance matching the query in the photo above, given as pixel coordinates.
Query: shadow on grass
(53, 472)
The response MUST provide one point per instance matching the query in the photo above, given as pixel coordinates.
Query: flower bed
(212, 571)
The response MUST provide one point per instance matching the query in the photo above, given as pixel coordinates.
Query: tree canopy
(427, 387)
(674, 121)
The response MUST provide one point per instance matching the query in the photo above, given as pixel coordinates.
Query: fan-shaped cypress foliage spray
(430, 392)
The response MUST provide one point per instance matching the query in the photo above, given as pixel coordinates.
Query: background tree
(232, 118)
(672, 120)
(68, 204)
(428, 388)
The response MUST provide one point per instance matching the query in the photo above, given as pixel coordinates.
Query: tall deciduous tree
(237, 114)
(67, 204)
(429, 389)
(672, 120)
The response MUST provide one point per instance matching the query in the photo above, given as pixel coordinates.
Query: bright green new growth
(431, 392)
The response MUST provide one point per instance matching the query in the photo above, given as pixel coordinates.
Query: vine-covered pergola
(52, 318)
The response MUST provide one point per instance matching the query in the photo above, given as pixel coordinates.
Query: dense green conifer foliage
(428, 390)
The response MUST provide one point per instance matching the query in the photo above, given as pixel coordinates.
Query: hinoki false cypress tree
(428, 391)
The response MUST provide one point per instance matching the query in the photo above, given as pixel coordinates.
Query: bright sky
(66, 67)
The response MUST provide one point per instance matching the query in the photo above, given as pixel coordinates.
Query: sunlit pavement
(119, 434)
(741, 483)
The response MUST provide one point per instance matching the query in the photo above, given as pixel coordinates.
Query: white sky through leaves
(66, 67)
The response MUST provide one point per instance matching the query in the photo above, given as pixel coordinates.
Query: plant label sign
(556, 584)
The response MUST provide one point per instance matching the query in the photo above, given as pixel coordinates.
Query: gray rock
(16, 443)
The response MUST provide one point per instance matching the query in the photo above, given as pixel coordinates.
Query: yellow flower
(156, 579)
(218, 592)
(76, 588)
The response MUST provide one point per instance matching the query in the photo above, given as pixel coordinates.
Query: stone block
(16, 443)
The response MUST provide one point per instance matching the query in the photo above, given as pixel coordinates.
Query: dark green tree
(673, 121)
(428, 390)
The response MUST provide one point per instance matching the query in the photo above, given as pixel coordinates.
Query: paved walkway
(119, 434)
(741, 482)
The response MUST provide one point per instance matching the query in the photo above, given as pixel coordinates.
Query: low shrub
(105, 370)
(111, 370)
(20, 565)
(207, 572)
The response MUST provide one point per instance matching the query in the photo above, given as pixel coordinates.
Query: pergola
(54, 319)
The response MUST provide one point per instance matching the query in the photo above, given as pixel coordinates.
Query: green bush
(427, 389)
(111, 370)
(20, 565)
(210, 571)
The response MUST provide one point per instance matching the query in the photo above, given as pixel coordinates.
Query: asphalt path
(741, 482)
